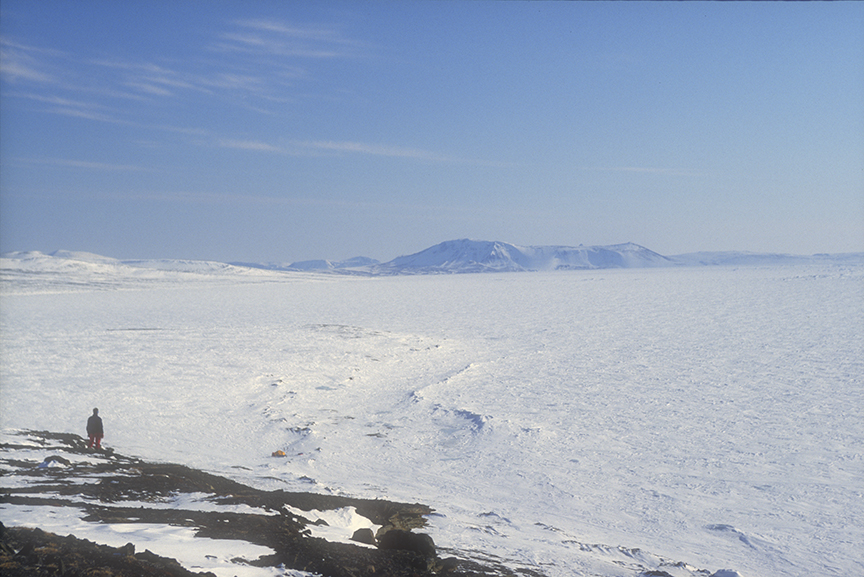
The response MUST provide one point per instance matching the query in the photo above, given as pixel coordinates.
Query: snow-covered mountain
(460, 256)
(450, 257)
(357, 261)
(314, 265)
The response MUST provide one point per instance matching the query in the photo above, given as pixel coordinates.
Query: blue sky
(284, 131)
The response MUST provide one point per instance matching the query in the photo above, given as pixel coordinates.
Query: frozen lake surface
(584, 422)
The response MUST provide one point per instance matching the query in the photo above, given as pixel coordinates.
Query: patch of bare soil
(100, 484)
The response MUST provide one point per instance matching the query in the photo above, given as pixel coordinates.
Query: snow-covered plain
(575, 423)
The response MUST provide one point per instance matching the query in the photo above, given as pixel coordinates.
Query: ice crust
(567, 421)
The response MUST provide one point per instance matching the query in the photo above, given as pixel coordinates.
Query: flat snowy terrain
(578, 422)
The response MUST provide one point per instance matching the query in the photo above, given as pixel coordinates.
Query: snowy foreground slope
(589, 422)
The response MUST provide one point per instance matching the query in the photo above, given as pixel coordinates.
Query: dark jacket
(94, 426)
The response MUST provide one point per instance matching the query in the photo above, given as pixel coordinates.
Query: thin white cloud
(277, 38)
(335, 148)
(300, 147)
(372, 149)
(254, 44)
(644, 170)
(87, 115)
(6, 42)
(64, 162)
(77, 108)
(239, 80)
(233, 81)
(16, 71)
(70, 107)
(250, 145)
(149, 88)
(175, 80)
(207, 198)
(18, 66)
(56, 100)
(322, 34)
(153, 79)
(180, 130)
(392, 152)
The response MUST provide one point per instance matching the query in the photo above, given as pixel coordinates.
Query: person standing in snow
(94, 430)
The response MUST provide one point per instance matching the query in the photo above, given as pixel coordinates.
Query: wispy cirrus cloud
(149, 88)
(312, 147)
(69, 89)
(70, 107)
(320, 34)
(51, 99)
(372, 149)
(85, 164)
(99, 112)
(251, 145)
(251, 43)
(95, 88)
(217, 80)
(16, 70)
(17, 64)
(259, 74)
(277, 38)
(645, 170)
(152, 79)
(87, 115)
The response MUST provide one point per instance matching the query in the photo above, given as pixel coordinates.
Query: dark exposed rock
(49, 555)
(364, 536)
(99, 488)
(407, 541)
(55, 459)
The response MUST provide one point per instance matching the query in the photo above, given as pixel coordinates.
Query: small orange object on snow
(279, 454)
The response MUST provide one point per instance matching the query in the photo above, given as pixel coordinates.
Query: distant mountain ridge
(465, 255)
(730, 258)
(449, 257)
(314, 265)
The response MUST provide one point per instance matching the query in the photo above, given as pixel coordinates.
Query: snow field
(593, 421)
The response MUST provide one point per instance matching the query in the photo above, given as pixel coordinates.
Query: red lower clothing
(97, 439)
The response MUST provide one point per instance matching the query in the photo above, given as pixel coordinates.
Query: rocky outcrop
(364, 536)
(99, 486)
(408, 541)
(26, 552)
